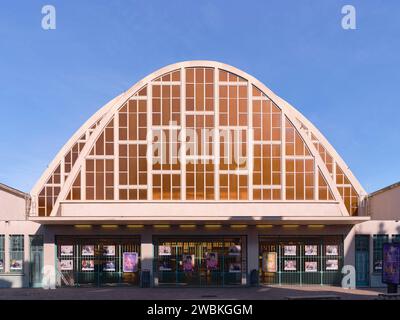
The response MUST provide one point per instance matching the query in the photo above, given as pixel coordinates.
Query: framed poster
(87, 265)
(130, 261)
(16, 264)
(165, 265)
(67, 250)
(235, 267)
(269, 262)
(289, 250)
(164, 250)
(188, 262)
(311, 266)
(109, 266)
(332, 250)
(212, 260)
(235, 250)
(88, 250)
(67, 265)
(109, 251)
(332, 264)
(290, 265)
(310, 250)
(1, 265)
(391, 263)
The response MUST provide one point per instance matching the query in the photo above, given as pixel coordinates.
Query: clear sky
(347, 82)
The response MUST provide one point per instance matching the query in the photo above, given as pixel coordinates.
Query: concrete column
(252, 251)
(50, 277)
(147, 253)
(6, 248)
(350, 248)
(27, 250)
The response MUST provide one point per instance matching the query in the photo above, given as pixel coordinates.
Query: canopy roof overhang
(274, 212)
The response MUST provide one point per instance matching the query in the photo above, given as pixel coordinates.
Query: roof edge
(14, 191)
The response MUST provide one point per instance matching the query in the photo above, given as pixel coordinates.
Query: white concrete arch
(110, 110)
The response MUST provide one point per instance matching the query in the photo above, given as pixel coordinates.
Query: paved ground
(264, 293)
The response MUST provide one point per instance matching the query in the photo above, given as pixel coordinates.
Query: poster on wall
(289, 250)
(235, 267)
(67, 250)
(88, 250)
(130, 261)
(290, 265)
(109, 251)
(332, 264)
(16, 264)
(1, 264)
(67, 265)
(188, 262)
(311, 266)
(164, 250)
(87, 265)
(391, 263)
(311, 250)
(109, 266)
(165, 265)
(269, 262)
(332, 250)
(212, 260)
(234, 250)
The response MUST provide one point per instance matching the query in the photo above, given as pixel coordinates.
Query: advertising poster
(164, 250)
(165, 265)
(67, 250)
(130, 261)
(109, 251)
(289, 250)
(88, 250)
(269, 262)
(311, 266)
(311, 250)
(16, 264)
(87, 265)
(391, 263)
(1, 265)
(235, 267)
(66, 265)
(212, 260)
(234, 250)
(332, 250)
(188, 262)
(109, 266)
(332, 264)
(290, 265)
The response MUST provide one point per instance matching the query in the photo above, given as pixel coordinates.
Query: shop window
(395, 238)
(2, 253)
(379, 240)
(16, 253)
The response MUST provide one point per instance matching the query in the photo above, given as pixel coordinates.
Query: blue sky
(345, 81)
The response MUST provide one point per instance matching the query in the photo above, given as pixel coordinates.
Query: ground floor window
(200, 261)
(378, 241)
(98, 260)
(300, 260)
(16, 253)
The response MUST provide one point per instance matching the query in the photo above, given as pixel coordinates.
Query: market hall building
(198, 175)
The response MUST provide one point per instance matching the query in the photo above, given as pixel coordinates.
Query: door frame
(366, 239)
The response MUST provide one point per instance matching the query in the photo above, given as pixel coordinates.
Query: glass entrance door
(362, 260)
(199, 261)
(36, 261)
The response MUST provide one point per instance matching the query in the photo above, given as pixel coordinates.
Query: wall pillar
(147, 253)
(350, 248)
(252, 252)
(50, 276)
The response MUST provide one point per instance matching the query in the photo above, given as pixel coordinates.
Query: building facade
(198, 175)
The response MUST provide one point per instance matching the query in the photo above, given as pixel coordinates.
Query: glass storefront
(301, 260)
(200, 261)
(97, 261)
